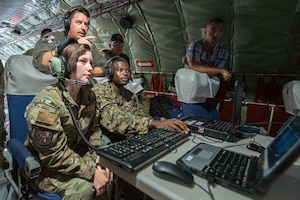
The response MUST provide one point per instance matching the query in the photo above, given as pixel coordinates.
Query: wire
(68, 105)
(209, 192)
(205, 138)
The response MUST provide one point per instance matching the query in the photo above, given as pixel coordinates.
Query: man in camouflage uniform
(76, 22)
(121, 112)
(69, 165)
(116, 47)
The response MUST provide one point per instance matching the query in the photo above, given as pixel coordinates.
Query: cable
(209, 192)
(68, 105)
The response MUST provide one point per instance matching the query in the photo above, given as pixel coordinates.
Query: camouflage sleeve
(44, 44)
(99, 59)
(48, 138)
(118, 116)
(137, 108)
(96, 137)
(117, 121)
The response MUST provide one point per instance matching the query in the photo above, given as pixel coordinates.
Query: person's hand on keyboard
(172, 124)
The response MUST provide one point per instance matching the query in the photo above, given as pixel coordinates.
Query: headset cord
(68, 105)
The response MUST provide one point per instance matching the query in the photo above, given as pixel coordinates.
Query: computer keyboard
(136, 152)
(234, 168)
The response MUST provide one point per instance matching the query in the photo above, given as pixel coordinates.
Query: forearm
(211, 71)
(98, 71)
(120, 122)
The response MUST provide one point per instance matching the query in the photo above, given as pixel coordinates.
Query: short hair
(216, 20)
(45, 31)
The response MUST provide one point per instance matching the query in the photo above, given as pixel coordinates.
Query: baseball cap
(116, 38)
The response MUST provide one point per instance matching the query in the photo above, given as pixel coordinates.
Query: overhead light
(16, 31)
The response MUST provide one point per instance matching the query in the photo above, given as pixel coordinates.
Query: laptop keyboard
(234, 168)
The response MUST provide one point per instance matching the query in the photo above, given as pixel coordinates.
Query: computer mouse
(172, 172)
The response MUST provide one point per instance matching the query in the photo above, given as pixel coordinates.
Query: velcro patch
(47, 118)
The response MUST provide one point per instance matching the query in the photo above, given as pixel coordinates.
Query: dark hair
(216, 20)
(45, 31)
(72, 52)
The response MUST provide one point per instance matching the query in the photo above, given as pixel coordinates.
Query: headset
(59, 64)
(67, 17)
(110, 68)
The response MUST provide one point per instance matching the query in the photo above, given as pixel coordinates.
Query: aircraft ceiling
(263, 36)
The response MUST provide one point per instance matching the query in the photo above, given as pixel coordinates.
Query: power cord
(209, 192)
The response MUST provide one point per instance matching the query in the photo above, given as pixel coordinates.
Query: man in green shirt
(76, 22)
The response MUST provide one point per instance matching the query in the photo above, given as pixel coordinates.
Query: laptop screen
(279, 148)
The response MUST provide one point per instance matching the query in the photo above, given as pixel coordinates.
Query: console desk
(285, 187)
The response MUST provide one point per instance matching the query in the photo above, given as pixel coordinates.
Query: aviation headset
(59, 64)
(67, 17)
(110, 68)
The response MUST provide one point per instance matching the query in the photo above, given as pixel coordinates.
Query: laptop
(246, 173)
(219, 129)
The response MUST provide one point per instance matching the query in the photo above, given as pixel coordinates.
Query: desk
(285, 187)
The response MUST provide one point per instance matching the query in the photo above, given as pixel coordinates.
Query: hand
(173, 124)
(226, 75)
(102, 179)
(86, 40)
(184, 60)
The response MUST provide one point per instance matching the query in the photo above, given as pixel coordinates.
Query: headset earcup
(67, 23)
(109, 71)
(58, 66)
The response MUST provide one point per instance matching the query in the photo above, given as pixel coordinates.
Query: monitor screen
(284, 141)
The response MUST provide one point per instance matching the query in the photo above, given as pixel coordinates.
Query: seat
(22, 83)
(193, 89)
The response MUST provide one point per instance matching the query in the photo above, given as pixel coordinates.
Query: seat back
(16, 109)
(195, 87)
(22, 83)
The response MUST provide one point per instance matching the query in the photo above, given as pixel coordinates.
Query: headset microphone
(74, 81)
(91, 83)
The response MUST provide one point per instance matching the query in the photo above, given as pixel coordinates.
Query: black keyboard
(219, 125)
(233, 168)
(134, 153)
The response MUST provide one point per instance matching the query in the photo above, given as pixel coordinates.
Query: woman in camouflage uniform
(69, 165)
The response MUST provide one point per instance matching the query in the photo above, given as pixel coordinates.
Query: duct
(20, 20)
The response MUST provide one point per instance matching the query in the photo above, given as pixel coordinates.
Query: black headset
(67, 17)
(59, 64)
(110, 68)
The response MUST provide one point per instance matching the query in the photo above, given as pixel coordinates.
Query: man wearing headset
(67, 154)
(76, 22)
(121, 113)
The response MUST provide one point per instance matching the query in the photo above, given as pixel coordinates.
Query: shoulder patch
(48, 39)
(43, 137)
(46, 117)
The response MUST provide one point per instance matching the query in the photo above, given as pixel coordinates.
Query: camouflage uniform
(48, 42)
(121, 114)
(68, 165)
